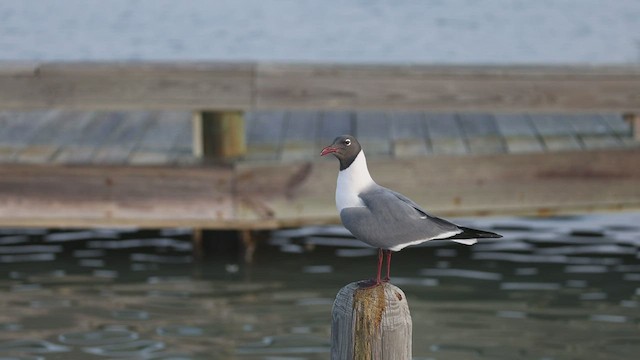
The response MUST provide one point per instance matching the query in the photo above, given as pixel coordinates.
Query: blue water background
(402, 31)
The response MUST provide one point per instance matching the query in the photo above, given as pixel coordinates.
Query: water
(433, 31)
(556, 288)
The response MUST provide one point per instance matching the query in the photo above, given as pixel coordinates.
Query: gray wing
(389, 219)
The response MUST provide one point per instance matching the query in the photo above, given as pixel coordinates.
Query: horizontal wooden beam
(126, 86)
(265, 196)
(257, 86)
(449, 88)
(55, 196)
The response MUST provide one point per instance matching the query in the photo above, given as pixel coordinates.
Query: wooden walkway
(163, 137)
(79, 169)
(115, 145)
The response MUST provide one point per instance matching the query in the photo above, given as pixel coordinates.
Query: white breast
(351, 181)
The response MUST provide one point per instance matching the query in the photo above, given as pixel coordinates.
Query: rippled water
(557, 288)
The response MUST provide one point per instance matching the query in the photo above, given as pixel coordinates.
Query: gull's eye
(347, 142)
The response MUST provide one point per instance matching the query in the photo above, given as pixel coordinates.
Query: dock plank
(617, 124)
(27, 137)
(372, 130)
(75, 122)
(91, 137)
(264, 135)
(588, 124)
(83, 196)
(447, 88)
(182, 148)
(119, 86)
(300, 136)
(158, 140)
(556, 133)
(514, 125)
(445, 135)
(117, 148)
(620, 128)
(255, 195)
(593, 131)
(518, 133)
(335, 123)
(6, 150)
(508, 181)
(20, 127)
(266, 86)
(408, 134)
(481, 133)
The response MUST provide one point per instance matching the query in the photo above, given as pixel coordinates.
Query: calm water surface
(557, 288)
(399, 31)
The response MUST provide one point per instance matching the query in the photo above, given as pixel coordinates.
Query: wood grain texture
(445, 135)
(222, 135)
(481, 133)
(447, 88)
(264, 195)
(114, 196)
(299, 141)
(518, 133)
(371, 324)
(243, 86)
(373, 132)
(157, 141)
(408, 134)
(556, 135)
(264, 135)
(123, 86)
(119, 145)
(451, 185)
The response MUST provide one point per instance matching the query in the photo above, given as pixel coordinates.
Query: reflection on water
(555, 288)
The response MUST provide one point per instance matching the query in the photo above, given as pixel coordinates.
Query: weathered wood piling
(371, 324)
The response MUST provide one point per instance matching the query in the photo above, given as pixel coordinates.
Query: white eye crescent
(348, 142)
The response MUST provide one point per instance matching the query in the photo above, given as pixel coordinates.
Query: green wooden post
(218, 136)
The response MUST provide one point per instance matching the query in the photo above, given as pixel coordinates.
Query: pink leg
(380, 259)
(388, 277)
(376, 281)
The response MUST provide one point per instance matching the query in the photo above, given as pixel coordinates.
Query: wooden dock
(113, 144)
(61, 168)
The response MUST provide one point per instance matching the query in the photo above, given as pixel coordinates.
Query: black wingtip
(468, 233)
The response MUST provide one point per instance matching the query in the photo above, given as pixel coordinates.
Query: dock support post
(249, 242)
(218, 135)
(197, 243)
(371, 324)
(634, 121)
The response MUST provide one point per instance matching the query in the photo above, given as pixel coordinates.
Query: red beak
(328, 150)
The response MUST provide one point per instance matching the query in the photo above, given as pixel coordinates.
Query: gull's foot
(386, 279)
(369, 284)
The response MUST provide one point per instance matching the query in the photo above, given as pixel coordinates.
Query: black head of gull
(382, 217)
(346, 148)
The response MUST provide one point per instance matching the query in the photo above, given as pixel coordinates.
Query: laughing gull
(384, 218)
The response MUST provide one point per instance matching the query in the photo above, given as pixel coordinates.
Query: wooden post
(218, 135)
(197, 241)
(371, 324)
(634, 120)
(249, 242)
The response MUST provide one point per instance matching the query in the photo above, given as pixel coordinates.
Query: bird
(381, 217)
